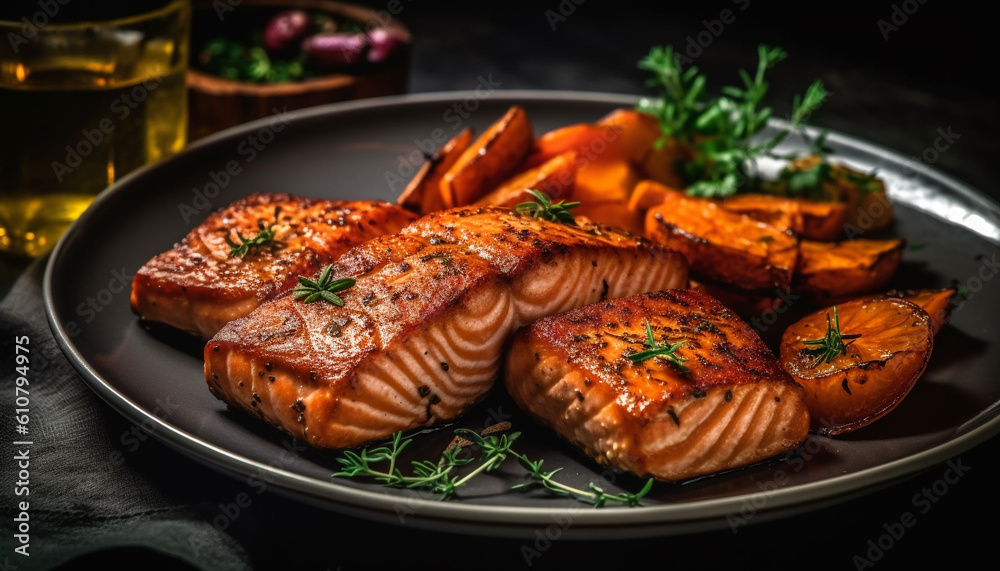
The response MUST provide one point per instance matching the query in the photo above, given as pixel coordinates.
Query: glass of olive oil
(81, 105)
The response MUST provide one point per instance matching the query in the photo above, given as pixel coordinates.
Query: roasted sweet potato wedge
(605, 180)
(623, 134)
(936, 302)
(868, 205)
(857, 360)
(810, 219)
(637, 133)
(492, 158)
(554, 177)
(615, 214)
(712, 397)
(423, 194)
(834, 271)
(723, 246)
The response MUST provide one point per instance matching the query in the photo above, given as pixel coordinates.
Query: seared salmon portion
(714, 398)
(207, 280)
(420, 336)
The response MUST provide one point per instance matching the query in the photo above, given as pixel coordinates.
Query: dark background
(936, 71)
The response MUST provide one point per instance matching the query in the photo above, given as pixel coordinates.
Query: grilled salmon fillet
(722, 402)
(421, 334)
(201, 283)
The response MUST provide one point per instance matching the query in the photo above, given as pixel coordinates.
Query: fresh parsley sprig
(324, 287)
(667, 350)
(443, 477)
(544, 209)
(832, 344)
(720, 132)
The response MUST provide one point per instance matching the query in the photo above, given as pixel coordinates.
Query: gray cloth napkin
(92, 496)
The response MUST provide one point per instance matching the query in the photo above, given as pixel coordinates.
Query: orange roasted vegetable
(554, 177)
(834, 271)
(868, 205)
(723, 246)
(936, 302)
(423, 194)
(857, 360)
(810, 219)
(490, 160)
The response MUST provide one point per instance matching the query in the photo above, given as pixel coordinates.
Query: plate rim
(510, 519)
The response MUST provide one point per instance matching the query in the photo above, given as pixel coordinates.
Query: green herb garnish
(653, 350)
(544, 209)
(832, 344)
(264, 237)
(443, 477)
(719, 132)
(325, 287)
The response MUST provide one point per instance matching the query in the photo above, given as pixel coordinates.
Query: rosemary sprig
(832, 344)
(324, 287)
(543, 208)
(441, 478)
(653, 350)
(263, 237)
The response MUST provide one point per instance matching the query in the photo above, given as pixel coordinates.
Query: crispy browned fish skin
(421, 335)
(734, 407)
(197, 287)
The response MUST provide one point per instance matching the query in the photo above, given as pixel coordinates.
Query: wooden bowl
(216, 103)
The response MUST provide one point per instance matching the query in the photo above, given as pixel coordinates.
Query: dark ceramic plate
(368, 149)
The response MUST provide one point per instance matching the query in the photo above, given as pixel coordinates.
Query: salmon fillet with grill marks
(421, 335)
(198, 286)
(724, 403)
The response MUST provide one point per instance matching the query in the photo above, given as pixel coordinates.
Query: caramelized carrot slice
(423, 194)
(874, 371)
(492, 158)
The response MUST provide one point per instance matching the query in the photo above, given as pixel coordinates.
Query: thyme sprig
(832, 344)
(667, 350)
(593, 494)
(324, 287)
(443, 477)
(265, 236)
(543, 208)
